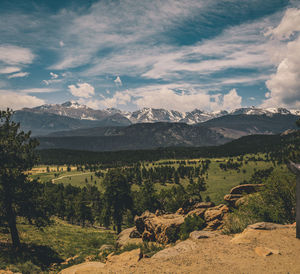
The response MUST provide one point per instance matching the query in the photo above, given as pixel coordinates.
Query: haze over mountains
(74, 126)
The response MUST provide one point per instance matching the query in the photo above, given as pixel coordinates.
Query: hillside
(138, 136)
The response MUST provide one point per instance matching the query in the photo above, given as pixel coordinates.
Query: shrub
(275, 203)
(191, 223)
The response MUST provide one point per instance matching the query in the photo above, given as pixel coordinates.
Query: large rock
(88, 267)
(232, 199)
(180, 248)
(246, 189)
(162, 229)
(266, 226)
(124, 238)
(126, 258)
(237, 193)
(214, 217)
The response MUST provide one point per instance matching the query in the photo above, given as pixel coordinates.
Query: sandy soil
(219, 254)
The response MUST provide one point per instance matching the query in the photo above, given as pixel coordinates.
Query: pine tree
(117, 196)
(18, 196)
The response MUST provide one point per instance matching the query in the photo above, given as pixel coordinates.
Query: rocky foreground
(261, 248)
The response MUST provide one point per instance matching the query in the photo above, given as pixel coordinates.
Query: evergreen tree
(117, 196)
(18, 196)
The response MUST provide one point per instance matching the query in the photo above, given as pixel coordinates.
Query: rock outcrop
(165, 228)
(126, 237)
(235, 197)
(162, 229)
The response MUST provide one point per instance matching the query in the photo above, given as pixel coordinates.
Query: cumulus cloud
(8, 70)
(14, 55)
(118, 81)
(17, 101)
(175, 97)
(61, 43)
(231, 100)
(83, 90)
(17, 75)
(289, 24)
(284, 85)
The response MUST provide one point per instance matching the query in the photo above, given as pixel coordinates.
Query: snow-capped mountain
(149, 115)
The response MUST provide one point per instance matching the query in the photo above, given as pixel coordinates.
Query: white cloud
(83, 90)
(61, 43)
(38, 90)
(17, 75)
(14, 55)
(289, 24)
(17, 101)
(53, 75)
(176, 97)
(284, 85)
(8, 70)
(118, 81)
(231, 100)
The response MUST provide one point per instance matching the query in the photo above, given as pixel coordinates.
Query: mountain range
(71, 115)
(74, 126)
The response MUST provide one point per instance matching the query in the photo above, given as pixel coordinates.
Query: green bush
(275, 203)
(191, 223)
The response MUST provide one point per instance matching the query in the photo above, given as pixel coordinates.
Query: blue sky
(182, 55)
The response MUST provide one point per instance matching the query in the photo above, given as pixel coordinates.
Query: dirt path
(71, 175)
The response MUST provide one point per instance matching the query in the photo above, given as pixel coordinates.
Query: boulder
(216, 212)
(193, 206)
(162, 229)
(214, 217)
(128, 258)
(266, 226)
(198, 211)
(246, 189)
(87, 267)
(265, 251)
(196, 235)
(182, 247)
(135, 234)
(125, 239)
(232, 199)
(203, 205)
(106, 247)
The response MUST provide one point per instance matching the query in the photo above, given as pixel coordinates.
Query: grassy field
(218, 181)
(54, 244)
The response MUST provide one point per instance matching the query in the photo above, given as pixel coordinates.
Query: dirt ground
(220, 254)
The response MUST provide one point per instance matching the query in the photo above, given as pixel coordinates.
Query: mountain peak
(72, 104)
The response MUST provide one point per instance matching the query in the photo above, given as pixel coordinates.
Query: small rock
(135, 234)
(265, 251)
(180, 211)
(196, 235)
(106, 247)
(265, 226)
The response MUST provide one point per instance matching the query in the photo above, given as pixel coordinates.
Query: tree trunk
(119, 228)
(11, 219)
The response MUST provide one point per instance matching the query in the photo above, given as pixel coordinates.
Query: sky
(206, 54)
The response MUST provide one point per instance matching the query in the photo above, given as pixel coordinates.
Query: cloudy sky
(128, 54)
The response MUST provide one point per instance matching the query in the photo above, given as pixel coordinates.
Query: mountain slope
(45, 123)
(235, 126)
(138, 136)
